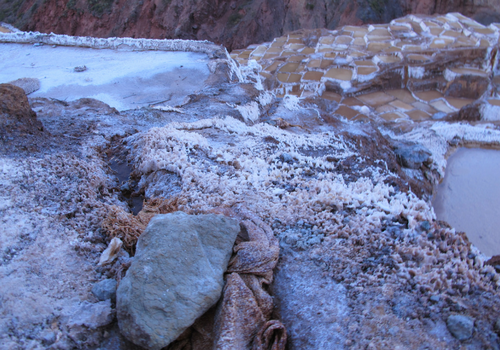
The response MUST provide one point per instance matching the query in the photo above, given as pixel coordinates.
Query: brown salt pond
(469, 197)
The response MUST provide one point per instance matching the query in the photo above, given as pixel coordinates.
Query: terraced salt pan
(123, 79)
(413, 53)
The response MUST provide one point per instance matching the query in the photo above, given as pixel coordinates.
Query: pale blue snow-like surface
(123, 79)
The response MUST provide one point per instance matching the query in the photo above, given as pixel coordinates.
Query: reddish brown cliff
(233, 23)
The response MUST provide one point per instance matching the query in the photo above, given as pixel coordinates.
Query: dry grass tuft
(128, 227)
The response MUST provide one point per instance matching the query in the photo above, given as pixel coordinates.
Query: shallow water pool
(469, 197)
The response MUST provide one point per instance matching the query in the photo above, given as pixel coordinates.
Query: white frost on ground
(123, 79)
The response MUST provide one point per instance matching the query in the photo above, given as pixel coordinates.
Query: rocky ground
(363, 263)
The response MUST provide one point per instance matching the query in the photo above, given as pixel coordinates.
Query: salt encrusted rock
(176, 276)
(29, 85)
(105, 289)
(460, 326)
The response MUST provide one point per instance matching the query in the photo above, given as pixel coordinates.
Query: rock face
(235, 24)
(176, 276)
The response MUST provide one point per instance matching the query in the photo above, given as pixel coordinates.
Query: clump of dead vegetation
(128, 227)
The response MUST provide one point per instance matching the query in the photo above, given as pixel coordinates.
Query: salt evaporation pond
(124, 79)
(469, 197)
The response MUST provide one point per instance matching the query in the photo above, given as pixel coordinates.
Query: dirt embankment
(232, 23)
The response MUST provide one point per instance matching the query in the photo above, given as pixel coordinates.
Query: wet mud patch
(116, 156)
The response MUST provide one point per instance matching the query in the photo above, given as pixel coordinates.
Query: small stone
(470, 113)
(425, 225)
(92, 315)
(105, 289)
(80, 69)
(286, 158)
(435, 298)
(460, 326)
(48, 337)
(29, 85)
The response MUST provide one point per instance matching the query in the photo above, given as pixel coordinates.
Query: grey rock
(425, 225)
(48, 337)
(29, 85)
(460, 326)
(92, 315)
(105, 289)
(175, 277)
(410, 155)
(286, 158)
(435, 298)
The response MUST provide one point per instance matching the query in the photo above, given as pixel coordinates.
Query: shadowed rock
(411, 155)
(16, 114)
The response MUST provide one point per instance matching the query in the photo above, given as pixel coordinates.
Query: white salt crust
(206, 47)
(248, 172)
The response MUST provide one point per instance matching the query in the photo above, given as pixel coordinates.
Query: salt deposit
(124, 79)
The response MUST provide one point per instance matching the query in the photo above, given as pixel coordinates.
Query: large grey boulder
(175, 277)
